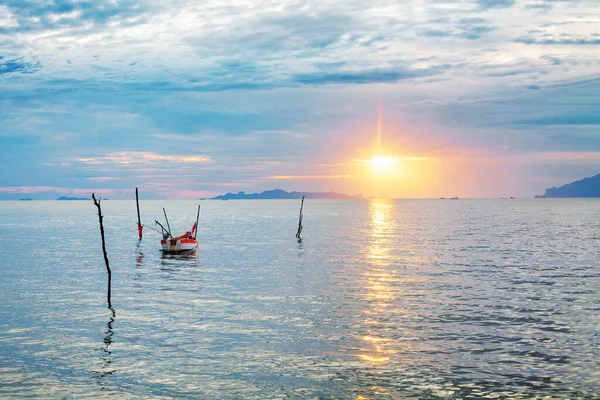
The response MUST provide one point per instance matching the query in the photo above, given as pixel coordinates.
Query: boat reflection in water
(188, 255)
(177, 263)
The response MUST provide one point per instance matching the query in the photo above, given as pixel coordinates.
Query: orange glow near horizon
(400, 158)
(308, 177)
(391, 164)
(387, 175)
(379, 125)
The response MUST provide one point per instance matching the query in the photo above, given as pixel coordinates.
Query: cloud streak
(134, 157)
(363, 77)
(308, 177)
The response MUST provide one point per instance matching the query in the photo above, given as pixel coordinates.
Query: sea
(379, 299)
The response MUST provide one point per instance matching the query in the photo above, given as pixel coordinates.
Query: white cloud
(7, 18)
(193, 45)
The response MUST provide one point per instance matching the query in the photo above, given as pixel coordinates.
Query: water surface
(423, 299)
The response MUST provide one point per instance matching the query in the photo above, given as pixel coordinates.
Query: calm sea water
(423, 299)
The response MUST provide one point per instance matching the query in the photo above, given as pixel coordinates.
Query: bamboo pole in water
(300, 219)
(100, 217)
(197, 218)
(137, 203)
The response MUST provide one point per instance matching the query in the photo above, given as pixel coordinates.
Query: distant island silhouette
(277, 194)
(74, 198)
(588, 187)
(25, 199)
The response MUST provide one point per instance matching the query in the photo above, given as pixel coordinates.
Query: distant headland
(588, 187)
(74, 198)
(277, 194)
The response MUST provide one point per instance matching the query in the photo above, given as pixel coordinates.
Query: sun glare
(383, 162)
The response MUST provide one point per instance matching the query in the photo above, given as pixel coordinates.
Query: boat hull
(178, 246)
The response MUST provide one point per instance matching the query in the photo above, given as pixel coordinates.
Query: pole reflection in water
(140, 258)
(107, 368)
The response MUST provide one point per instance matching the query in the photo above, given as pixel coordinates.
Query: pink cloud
(575, 156)
(29, 189)
(190, 194)
(88, 192)
(138, 157)
(42, 189)
(101, 179)
(286, 177)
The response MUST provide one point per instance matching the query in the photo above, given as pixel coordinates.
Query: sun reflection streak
(379, 279)
(390, 293)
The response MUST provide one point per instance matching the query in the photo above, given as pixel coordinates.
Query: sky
(186, 99)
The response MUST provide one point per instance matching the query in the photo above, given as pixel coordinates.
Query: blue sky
(192, 99)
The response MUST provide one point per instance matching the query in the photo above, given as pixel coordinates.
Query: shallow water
(420, 299)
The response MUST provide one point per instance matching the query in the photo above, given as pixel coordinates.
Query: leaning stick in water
(100, 217)
(163, 228)
(167, 219)
(300, 219)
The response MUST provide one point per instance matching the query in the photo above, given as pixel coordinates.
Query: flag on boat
(194, 229)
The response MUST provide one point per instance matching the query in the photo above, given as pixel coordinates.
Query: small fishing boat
(182, 244)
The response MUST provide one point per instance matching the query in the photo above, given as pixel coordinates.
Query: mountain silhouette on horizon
(584, 188)
(277, 194)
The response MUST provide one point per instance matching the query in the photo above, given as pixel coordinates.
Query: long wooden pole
(167, 219)
(197, 218)
(300, 220)
(137, 203)
(100, 217)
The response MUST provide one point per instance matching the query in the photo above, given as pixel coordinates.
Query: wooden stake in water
(137, 203)
(197, 218)
(300, 219)
(100, 217)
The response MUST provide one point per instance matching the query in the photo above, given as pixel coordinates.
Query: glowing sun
(383, 162)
